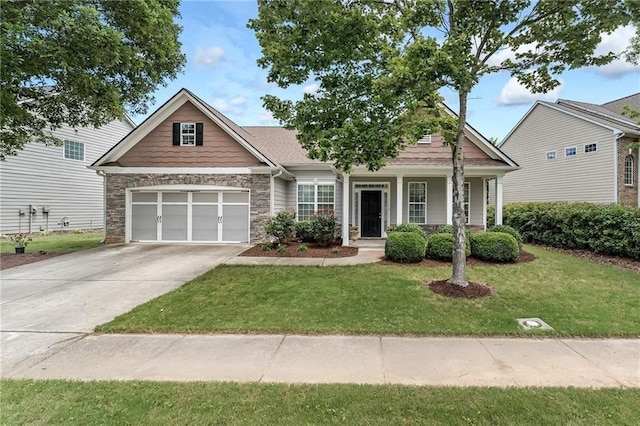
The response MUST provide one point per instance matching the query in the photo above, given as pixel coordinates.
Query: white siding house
(47, 188)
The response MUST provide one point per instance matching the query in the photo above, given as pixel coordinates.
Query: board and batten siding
(583, 177)
(40, 176)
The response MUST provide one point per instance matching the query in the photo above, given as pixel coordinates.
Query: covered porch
(373, 201)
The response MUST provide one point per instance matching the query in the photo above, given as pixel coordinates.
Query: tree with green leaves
(380, 65)
(81, 63)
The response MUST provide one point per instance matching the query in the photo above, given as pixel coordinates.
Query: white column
(449, 199)
(399, 200)
(346, 209)
(499, 200)
(484, 203)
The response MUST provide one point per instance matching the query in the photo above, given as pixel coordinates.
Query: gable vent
(425, 139)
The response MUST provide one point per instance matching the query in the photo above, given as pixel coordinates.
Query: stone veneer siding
(116, 186)
(627, 195)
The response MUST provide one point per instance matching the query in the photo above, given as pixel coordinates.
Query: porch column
(449, 199)
(346, 209)
(399, 200)
(484, 203)
(499, 200)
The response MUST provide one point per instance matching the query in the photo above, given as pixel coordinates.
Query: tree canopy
(81, 63)
(380, 65)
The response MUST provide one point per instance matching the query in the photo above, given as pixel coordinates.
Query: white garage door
(190, 216)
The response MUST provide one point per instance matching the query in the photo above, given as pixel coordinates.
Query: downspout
(273, 191)
(104, 205)
(617, 134)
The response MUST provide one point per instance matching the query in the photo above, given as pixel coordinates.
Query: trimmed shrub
(440, 246)
(491, 214)
(445, 229)
(405, 247)
(507, 230)
(494, 246)
(411, 227)
(324, 226)
(304, 232)
(607, 229)
(281, 226)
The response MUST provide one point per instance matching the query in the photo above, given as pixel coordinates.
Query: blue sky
(222, 70)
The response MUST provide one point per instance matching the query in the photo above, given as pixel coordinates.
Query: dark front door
(371, 214)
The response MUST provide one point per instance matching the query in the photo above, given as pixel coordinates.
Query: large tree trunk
(459, 268)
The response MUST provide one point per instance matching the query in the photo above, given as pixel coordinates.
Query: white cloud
(514, 93)
(266, 118)
(235, 105)
(508, 53)
(209, 56)
(616, 42)
(311, 89)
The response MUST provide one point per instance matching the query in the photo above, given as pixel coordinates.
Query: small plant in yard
(281, 226)
(440, 246)
(20, 240)
(325, 226)
(335, 250)
(494, 246)
(405, 247)
(410, 227)
(266, 246)
(507, 230)
(303, 247)
(304, 231)
(282, 248)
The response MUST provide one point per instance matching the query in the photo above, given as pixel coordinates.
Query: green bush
(304, 232)
(410, 227)
(494, 246)
(405, 247)
(324, 226)
(491, 215)
(607, 229)
(507, 230)
(445, 229)
(440, 246)
(281, 226)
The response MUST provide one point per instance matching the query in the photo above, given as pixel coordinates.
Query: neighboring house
(50, 188)
(575, 151)
(189, 174)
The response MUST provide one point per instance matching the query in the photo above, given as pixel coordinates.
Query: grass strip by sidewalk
(57, 243)
(153, 403)
(575, 296)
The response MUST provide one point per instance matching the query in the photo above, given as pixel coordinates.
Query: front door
(371, 214)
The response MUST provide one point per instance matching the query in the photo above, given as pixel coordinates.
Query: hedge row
(607, 229)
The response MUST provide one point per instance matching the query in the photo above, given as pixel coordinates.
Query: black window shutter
(199, 133)
(176, 133)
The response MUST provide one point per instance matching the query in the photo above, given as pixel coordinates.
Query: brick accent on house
(116, 186)
(627, 195)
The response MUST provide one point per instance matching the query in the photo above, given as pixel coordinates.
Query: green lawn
(57, 243)
(152, 403)
(576, 297)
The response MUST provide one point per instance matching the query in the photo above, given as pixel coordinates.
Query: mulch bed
(615, 261)
(313, 250)
(472, 291)
(9, 260)
(524, 257)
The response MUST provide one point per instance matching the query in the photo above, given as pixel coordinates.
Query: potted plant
(354, 232)
(19, 242)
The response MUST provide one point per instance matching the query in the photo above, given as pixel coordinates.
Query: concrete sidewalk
(365, 255)
(341, 359)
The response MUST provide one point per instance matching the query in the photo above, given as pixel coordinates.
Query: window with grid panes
(312, 198)
(74, 150)
(417, 202)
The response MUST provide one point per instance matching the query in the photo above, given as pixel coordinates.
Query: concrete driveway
(49, 304)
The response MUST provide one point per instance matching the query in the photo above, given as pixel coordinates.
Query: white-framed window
(313, 197)
(418, 202)
(629, 168)
(187, 134)
(571, 151)
(550, 155)
(74, 150)
(467, 201)
(425, 139)
(590, 147)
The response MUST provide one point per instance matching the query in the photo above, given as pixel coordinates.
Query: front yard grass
(576, 297)
(57, 242)
(152, 403)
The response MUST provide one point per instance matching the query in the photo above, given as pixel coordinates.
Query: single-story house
(189, 174)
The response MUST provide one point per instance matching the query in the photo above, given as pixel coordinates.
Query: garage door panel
(204, 223)
(235, 223)
(144, 222)
(174, 223)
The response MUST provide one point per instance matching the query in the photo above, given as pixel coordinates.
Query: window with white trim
(467, 201)
(629, 168)
(74, 150)
(590, 147)
(425, 139)
(187, 134)
(418, 202)
(550, 155)
(312, 197)
(571, 151)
